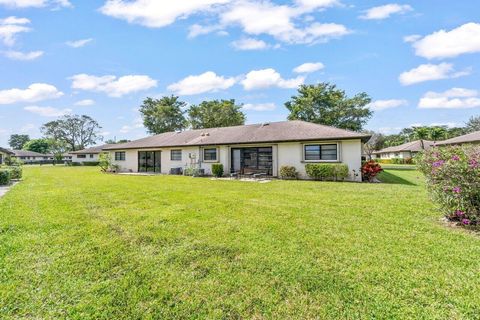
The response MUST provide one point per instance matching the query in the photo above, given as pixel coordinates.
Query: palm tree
(437, 132)
(421, 133)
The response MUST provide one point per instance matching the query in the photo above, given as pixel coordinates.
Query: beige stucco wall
(401, 155)
(283, 154)
(95, 158)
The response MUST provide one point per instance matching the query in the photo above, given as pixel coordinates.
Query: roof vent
(265, 124)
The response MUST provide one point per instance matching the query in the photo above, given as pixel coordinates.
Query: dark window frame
(174, 155)
(320, 152)
(120, 156)
(210, 153)
(81, 156)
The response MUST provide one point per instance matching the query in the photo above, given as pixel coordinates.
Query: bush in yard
(320, 171)
(340, 171)
(217, 170)
(453, 180)
(105, 162)
(4, 177)
(370, 170)
(91, 163)
(397, 161)
(288, 172)
(16, 172)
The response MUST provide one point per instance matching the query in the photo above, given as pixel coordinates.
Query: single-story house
(404, 151)
(256, 148)
(30, 156)
(471, 138)
(88, 155)
(4, 153)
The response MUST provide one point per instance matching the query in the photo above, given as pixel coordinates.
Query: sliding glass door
(252, 160)
(149, 161)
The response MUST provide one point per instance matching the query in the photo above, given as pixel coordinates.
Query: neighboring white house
(4, 153)
(88, 155)
(404, 151)
(257, 148)
(31, 156)
(471, 138)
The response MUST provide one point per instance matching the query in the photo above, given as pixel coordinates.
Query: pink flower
(456, 190)
(466, 221)
(459, 213)
(455, 158)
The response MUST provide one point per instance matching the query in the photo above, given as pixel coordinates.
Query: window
(120, 156)
(176, 155)
(91, 156)
(321, 152)
(81, 156)
(210, 154)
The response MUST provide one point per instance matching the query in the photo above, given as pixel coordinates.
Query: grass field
(78, 244)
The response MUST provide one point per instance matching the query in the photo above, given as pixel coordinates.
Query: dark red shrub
(370, 170)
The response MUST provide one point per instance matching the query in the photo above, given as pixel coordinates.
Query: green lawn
(78, 244)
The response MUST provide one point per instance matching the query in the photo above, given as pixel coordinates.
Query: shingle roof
(468, 138)
(413, 146)
(26, 153)
(6, 151)
(255, 133)
(92, 150)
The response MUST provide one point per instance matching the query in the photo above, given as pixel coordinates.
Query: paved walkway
(4, 189)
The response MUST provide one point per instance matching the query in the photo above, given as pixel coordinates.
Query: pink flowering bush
(453, 179)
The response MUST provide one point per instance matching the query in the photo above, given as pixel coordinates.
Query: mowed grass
(78, 244)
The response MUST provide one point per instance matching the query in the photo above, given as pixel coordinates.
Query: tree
(215, 114)
(112, 141)
(38, 145)
(375, 143)
(58, 148)
(473, 124)
(421, 133)
(163, 115)
(75, 131)
(437, 133)
(324, 104)
(17, 141)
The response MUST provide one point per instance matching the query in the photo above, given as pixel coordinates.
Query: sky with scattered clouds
(418, 60)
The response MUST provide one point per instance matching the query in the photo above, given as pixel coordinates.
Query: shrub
(397, 161)
(105, 162)
(385, 161)
(453, 180)
(4, 177)
(319, 171)
(340, 171)
(370, 170)
(288, 172)
(16, 172)
(217, 170)
(75, 164)
(91, 163)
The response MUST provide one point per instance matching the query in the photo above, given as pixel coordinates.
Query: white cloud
(427, 72)
(385, 11)
(411, 38)
(156, 13)
(448, 44)
(286, 23)
(455, 98)
(259, 106)
(35, 3)
(23, 56)
(380, 105)
(10, 27)
(250, 44)
(78, 43)
(35, 92)
(205, 82)
(278, 21)
(84, 103)
(111, 85)
(309, 67)
(266, 78)
(47, 111)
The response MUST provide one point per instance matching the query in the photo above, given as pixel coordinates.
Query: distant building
(30, 156)
(88, 155)
(404, 151)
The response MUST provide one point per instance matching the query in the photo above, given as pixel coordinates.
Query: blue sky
(418, 60)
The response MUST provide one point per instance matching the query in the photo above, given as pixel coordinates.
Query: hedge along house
(471, 138)
(248, 149)
(4, 153)
(404, 151)
(88, 155)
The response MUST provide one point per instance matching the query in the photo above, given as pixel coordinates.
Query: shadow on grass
(392, 177)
